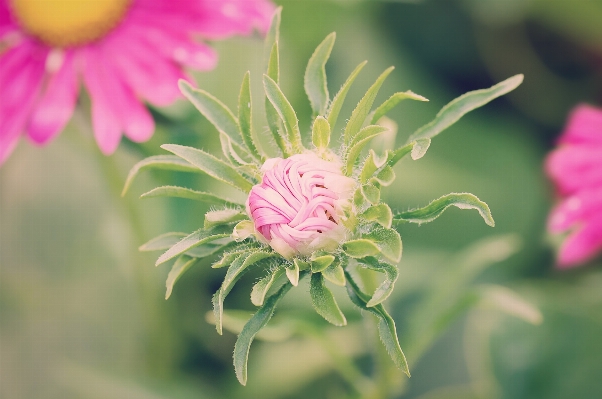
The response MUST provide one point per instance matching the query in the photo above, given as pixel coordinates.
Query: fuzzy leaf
(162, 242)
(320, 263)
(229, 152)
(285, 111)
(365, 196)
(273, 35)
(385, 177)
(386, 325)
(380, 213)
(246, 336)
(360, 248)
(372, 163)
(192, 240)
(359, 142)
(315, 76)
(209, 164)
(182, 192)
(388, 241)
(433, 210)
(245, 118)
(182, 264)
(339, 99)
(273, 119)
(359, 114)
(417, 149)
(165, 162)
(223, 216)
(386, 287)
(462, 105)
(209, 248)
(335, 274)
(214, 110)
(324, 302)
(229, 257)
(292, 272)
(261, 288)
(393, 101)
(243, 230)
(320, 134)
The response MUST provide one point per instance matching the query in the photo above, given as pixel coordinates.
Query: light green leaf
(360, 248)
(335, 274)
(380, 213)
(182, 192)
(365, 196)
(214, 110)
(462, 105)
(285, 111)
(433, 210)
(243, 230)
(315, 76)
(245, 118)
(261, 288)
(388, 241)
(292, 272)
(209, 248)
(320, 263)
(393, 101)
(182, 264)
(417, 149)
(320, 134)
(385, 177)
(324, 302)
(256, 323)
(229, 257)
(223, 216)
(192, 240)
(209, 164)
(229, 152)
(386, 287)
(372, 163)
(162, 242)
(386, 325)
(339, 99)
(359, 114)
(165, 162)
(273, 36)
(358, 143)
(273, 119)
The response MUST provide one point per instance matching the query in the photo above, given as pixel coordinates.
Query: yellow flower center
(64, 23)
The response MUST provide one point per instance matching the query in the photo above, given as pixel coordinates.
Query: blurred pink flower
(298, 206)
(576, 169)
(124, 51)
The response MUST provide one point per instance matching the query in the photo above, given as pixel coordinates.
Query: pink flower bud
(299, 206)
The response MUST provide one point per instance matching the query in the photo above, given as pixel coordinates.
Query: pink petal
(575, 209)
(584, 126)
(582, 245)
(56, 106)
(575, 166)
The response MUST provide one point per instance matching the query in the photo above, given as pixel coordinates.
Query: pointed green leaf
(386, 287)
(365, 196)
(229, 257)
(359, 142)
(166, 162)
(214, 110)
(335, 274)
(462, 105)
(393, 101)
(245, 118)
(243, 230)
(386, 325)
(273, 35)
(324, 302)
(261, 288)
(229, 152)
(320, 263)
(359, 114)
(385, 177)
(339, 99)
(380, 213)
(315, 76)
(292, 272)
(256, 323)
(182, 192)
(388, 242)
(209, 248)
(223, 216)
(182, 264)
(433, 210)
(162, 242)
(209, 164)
(273, 119)
(360, 248)
(372, 163)
(320, 134)
(285, 111)
(192, 240)
(417, 149)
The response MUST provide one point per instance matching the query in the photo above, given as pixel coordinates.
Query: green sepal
(320, 133)
(392, 102)
(462, 105)
(366, 196)
(286, 112)
(339, 99)
(183, 192)
(223, 216)
(359, 114)
(360, 248)
(386, 287)
(379, 240)
(209, 164)
(314, 81)
(380, 214)
(256, 323)
(245, 118)
(335, 274)
(358, 143)
(192, 240)
(385, 177)
(181, 265)
(433, 210)
(324, 302)
(162, 242)
(292, 272)
(165, 162)
(372, 163)
(386, 325)
(261, 288)
(320, 263)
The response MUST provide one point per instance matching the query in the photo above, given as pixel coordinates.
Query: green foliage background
(82, 313)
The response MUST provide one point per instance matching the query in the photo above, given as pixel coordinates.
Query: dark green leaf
(182, 264)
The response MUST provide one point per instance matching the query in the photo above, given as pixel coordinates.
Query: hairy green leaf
(292, 272)
(339, 99)
(315, 76)
(320, 134)
(273, 36)
(386, 287)
(273, 119)
(192, 240)
(182, 192)
(372, 163)
(358, 143)
(223, 216)
(166, 162)
(285, 111)
(335, 273)
(245, 118)
(388, 242)
(324, 302)
(261, 288)
(182, 264)
(320, 263)
(393, 101)
(380, 213)
(162, 242)
(433, 210)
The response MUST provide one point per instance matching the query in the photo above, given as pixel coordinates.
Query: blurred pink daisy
(576, 169)
(124, 51)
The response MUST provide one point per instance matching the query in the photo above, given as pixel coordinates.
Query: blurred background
(82, 313)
